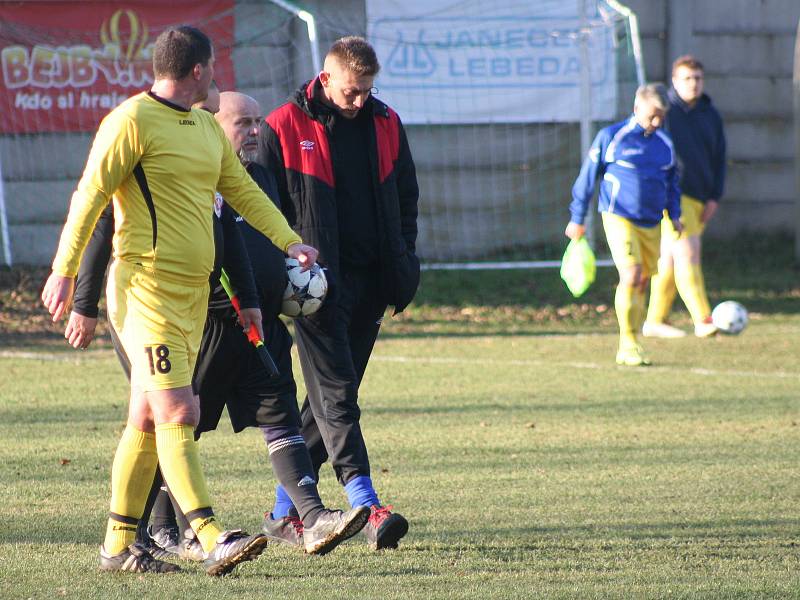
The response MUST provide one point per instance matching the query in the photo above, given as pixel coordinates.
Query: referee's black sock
(163, 513)
(180, 519)
(292, 466)
(141, 530)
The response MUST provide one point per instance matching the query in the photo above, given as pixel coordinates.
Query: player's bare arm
(57, 295)
(305, 255)
(80, 330)
(709, 210)
(574, 231)
(251, 316)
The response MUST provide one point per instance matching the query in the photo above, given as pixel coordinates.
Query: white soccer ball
(729, 317)
(305, 290)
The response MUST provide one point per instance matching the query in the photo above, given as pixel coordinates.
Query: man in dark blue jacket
(696, 130)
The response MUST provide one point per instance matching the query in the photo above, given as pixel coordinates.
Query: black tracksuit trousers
(334, 345)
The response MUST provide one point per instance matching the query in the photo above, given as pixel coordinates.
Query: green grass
(527, 463)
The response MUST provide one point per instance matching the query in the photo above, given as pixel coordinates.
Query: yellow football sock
(639, 309)
(180, 465)
(662, 294)
(624, 307)
(691, 287)
(132, 475)
(702, 286)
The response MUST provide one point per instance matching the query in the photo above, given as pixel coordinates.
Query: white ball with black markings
(730, 317)
(305, 290)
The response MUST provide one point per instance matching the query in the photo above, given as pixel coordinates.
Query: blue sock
(360, 492)
(283, 504)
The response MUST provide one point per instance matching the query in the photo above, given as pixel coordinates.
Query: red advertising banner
(65, 65)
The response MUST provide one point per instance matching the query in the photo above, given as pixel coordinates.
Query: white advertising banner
(481, 61)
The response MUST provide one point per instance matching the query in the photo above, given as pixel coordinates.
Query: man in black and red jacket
(348, 186)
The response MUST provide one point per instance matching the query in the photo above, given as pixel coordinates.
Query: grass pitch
(528, 464)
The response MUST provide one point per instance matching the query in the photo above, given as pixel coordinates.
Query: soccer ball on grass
(729, 317)
(305, 290)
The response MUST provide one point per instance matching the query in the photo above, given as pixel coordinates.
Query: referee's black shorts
(229, 372)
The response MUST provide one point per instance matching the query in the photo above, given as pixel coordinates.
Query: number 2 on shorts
(159, 362)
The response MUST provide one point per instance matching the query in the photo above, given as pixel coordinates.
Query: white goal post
(796, 82)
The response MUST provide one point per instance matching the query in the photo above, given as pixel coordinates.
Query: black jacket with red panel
(296, 144)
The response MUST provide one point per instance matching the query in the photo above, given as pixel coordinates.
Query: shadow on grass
(511, 542)
(597, 536)
(505, 332)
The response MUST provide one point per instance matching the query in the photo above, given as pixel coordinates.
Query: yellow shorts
(691, 212)
(160, 324)
(632, 245)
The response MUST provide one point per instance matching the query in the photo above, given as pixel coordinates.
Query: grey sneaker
(333, 527)
(190, 548)
(165, 538)
(385, 528)
(145, 540)
(134, 559)
(287, 530)
(233, 546)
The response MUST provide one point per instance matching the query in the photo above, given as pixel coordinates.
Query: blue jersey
(638, 175)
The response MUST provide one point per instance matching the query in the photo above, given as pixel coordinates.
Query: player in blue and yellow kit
(162, 161)
(636, 166)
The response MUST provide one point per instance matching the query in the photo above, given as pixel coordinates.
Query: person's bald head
(240, 118)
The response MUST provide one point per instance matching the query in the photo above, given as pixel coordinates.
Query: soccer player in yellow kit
(162, 161)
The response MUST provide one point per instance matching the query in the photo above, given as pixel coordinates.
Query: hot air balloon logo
(125, 38)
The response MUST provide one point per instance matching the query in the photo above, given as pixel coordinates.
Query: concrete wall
(747, 48)
(746, 45)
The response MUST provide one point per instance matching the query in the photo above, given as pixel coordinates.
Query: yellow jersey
(162, 165)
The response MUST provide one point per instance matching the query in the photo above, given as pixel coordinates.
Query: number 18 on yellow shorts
(160, 324)
(631, 244)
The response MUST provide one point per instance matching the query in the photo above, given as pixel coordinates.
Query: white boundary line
(578, 365)
(53, 356)
(514, 362)
(502, 265)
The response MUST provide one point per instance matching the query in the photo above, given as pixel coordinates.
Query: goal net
(494, 94)
(500, 99)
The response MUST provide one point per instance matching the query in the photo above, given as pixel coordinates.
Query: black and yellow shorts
(159, 322)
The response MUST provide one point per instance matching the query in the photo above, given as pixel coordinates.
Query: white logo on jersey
(307, 145)
(218, 204)
(632, 151)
